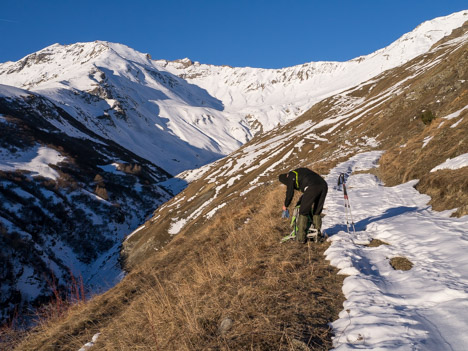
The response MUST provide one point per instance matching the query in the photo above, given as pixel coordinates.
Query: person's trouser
(314, 195)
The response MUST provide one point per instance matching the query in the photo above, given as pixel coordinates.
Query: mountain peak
(62, 63)
(185, 62)
(72, 52)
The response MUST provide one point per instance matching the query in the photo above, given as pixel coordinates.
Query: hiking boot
(317, 222)
(320, 237)
(301, 229)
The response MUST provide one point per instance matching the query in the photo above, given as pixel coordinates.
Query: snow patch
(213, 211)
(135, 231)
(455, 114)
(90, 344)
(112, 168)
(371, 141)
(427, 140)
(176, 226)
(456, 123)
(36, 160)
(453, 163)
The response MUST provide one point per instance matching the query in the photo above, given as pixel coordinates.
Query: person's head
(283, 178)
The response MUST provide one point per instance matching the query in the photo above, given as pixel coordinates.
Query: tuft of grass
(63, 301)
(401, 263)
(427, 117)
(11, 333)
(376, 243)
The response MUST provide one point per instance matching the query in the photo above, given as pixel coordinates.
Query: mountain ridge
(206, 110)
(66, 201)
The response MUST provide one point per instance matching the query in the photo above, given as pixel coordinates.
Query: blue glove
(285, 214)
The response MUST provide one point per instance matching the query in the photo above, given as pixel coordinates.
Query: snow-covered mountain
(268, 97)
(120, 95)
(90, 130)
(182, 115)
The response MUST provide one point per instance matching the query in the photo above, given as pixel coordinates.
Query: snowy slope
(181, 115)
(113, 91)
(424, 308)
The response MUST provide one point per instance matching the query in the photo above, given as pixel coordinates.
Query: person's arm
(289, 190)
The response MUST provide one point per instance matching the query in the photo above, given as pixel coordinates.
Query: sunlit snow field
(424, 308)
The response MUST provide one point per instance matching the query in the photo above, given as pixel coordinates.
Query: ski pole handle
(341, 179)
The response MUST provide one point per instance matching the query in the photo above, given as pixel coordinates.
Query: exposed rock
(225, 326)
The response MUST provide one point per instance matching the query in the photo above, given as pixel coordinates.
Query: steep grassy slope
(384, 114)
(232, 269)
(226, 262)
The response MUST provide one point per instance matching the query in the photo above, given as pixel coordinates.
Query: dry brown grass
(448, 189)
(278, 296)
(376, 243)
(401, 263)
(10, 336)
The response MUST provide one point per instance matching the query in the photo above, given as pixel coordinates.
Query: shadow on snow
(362, 224)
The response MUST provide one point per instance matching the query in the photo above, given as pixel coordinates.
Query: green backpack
(311, 232)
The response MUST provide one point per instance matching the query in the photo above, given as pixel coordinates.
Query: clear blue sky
(256, 33)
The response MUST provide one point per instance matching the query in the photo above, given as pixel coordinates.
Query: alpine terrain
(96, 136)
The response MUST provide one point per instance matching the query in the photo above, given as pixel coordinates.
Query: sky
(239, 33)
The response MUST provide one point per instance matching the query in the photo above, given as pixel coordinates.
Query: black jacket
(300, 179)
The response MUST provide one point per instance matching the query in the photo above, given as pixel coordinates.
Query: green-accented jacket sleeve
(290, 188)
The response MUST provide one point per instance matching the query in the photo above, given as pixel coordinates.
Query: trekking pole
(341, 182)
(349, 215)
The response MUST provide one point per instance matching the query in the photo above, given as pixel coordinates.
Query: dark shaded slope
(52, 227)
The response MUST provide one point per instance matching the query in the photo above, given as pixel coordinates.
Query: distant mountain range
(181, 115)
